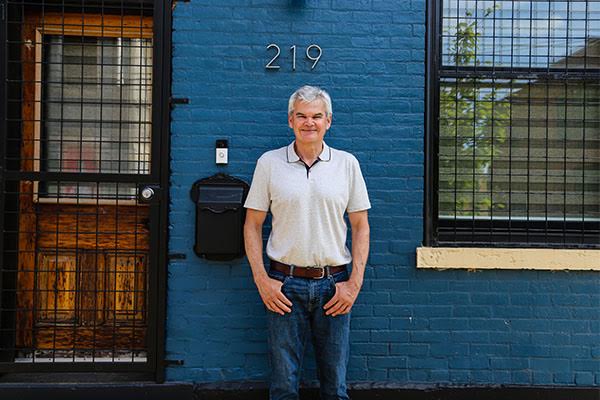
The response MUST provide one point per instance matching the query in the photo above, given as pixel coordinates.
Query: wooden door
(82, 284)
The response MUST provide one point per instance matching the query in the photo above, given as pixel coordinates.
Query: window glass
(519, 149)
(97, 108)
(536, 34)
(518, 128)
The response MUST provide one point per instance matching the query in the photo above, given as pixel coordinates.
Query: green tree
(473, 126)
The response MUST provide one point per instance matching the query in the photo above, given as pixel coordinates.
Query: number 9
(315, 59)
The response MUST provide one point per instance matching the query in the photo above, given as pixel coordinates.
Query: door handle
(148, 193)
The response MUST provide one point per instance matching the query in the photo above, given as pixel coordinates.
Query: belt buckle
(322, 272)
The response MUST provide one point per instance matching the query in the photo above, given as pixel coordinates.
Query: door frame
(154, 368)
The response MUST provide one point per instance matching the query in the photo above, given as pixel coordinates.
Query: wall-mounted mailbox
(220, 217)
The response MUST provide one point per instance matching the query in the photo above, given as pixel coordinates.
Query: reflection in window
(96, 109)
(519, 148)
(532, 34)
(518, 129)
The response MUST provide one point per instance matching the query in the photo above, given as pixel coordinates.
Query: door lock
(147, 194)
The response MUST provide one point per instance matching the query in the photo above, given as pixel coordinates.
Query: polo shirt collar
(293, 157)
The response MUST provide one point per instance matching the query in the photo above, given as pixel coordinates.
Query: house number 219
(313, 53)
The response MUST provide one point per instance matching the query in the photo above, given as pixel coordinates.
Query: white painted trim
(498, 258)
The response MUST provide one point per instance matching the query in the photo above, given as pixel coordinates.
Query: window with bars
(96, 111)
(80, 267)
(515, 126)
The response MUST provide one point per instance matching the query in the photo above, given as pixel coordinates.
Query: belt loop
(292, 266)
(327, 271)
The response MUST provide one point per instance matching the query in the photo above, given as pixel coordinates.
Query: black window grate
(515, 124)
(75, 276)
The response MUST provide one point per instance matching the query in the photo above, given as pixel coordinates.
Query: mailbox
(220, 217)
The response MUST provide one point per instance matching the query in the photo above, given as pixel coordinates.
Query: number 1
(293, 49)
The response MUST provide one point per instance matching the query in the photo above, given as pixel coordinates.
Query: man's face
(309, 121)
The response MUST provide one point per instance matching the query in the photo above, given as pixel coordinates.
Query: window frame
(106, 26)
(487, 230)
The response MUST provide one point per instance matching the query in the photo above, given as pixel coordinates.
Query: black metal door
(81, 194)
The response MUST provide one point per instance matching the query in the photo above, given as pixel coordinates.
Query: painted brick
(509, 363)
(586, 365)
(419, 375)
(409, 349)
(471, 363)
(551, 364)
(458, 375)
(532, 350)
(446, 350)
(375, 349)
(521, 377)
(542, 378)
(389, 336)
(481, 377)
(470, 337)
(410, 326)
(564, 378)
(584, 378)
(386, 362)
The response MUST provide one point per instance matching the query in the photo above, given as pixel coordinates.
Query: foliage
(473, 127)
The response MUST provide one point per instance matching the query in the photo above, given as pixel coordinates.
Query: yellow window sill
(497, 258)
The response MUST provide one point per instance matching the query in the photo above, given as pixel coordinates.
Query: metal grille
(76, 245)
(518, 127)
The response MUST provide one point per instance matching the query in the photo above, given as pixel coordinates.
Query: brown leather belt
(306, 272)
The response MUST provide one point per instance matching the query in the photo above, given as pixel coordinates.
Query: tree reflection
(474, 123)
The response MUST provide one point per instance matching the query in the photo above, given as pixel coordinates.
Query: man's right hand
(271, 294)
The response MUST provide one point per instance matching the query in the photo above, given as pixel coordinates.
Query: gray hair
(308, 94)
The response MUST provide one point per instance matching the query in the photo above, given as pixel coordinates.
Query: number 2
(269, 66)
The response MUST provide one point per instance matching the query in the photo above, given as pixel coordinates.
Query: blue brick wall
(409, 326)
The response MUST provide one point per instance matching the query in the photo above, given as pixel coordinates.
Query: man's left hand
(343, 300)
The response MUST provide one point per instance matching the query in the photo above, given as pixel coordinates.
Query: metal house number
(313, 53)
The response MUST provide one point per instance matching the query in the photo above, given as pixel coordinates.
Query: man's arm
(347, 292)
(269, 289)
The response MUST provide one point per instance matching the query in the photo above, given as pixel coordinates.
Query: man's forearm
(360, 253)
(253, 244)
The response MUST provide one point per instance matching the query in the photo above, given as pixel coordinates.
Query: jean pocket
(340, 277)
(332, 285)
(277, 276)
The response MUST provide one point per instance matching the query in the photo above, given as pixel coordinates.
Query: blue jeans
(289, 333)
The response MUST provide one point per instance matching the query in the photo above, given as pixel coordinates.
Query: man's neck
(308, 152)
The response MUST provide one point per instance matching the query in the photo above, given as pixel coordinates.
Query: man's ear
(290, 121)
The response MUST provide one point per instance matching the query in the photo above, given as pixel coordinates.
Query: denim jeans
(288, 335)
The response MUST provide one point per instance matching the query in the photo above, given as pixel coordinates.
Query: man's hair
(308, 94)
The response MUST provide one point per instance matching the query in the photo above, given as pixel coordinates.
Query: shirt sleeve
(359, 197)
(259, 196)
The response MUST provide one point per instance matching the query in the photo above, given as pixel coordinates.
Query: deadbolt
(147, 193)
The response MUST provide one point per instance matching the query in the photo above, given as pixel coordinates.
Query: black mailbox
(220, 217)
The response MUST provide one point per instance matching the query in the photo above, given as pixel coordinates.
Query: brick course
(410, 326)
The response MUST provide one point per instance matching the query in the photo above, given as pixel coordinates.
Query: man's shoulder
(343, 156)
(273, 155)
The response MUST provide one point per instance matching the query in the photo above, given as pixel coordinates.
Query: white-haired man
(308, 187)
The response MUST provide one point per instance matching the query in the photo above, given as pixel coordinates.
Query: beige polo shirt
(308, 204)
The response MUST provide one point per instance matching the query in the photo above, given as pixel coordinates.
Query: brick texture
(410, 326)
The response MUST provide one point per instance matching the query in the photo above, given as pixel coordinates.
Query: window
(514, 124)
(94, 92)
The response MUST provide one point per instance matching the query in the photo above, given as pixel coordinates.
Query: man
(308, 186)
